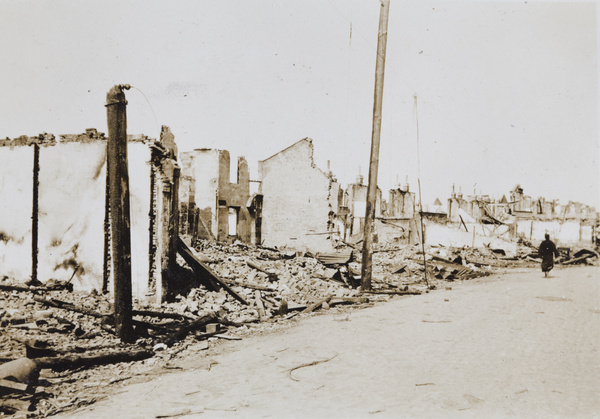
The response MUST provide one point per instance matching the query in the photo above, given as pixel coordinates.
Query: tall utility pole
(118, 180)
(367, 253)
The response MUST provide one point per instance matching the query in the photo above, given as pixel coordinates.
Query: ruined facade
(526, 218)
(300, 201)
(213, 206)
(54, 220)
(356, 201)
(401, 203)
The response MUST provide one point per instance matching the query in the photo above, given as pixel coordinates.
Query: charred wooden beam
(204, 271)
(314, 306)
(66, 362)
(392, 292)
(182, 332)
(52, 302)
(118, 176)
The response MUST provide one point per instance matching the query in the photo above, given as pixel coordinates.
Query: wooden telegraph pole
(118, 180)
(367, 252)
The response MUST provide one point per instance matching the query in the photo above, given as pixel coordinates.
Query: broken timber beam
(68, 306)
(312, 307)
(67, 362)
(579, 259)
(441, 259)
(184, 330)
(25, 288)
(204, 271)
(392, 292)
(249, 285)
(463, 223)
(17, 288)
(351, 245)
(257, 267)
(272, 276)
(350, 300)
(15, 386)
(160, 314)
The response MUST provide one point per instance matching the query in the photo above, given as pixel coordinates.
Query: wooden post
(367, 252)
(107, 255)
(35, 214)
(422, 234)
(118, 178)
(174, 219)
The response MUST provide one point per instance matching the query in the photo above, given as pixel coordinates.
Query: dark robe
(547, 252)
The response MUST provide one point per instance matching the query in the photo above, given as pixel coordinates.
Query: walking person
(547, 252)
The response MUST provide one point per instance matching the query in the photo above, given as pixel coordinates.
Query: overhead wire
(151, 109)
(394, 74)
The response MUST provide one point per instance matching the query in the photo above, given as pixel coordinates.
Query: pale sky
(507, 91)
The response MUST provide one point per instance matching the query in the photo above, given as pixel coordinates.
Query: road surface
(513, 345)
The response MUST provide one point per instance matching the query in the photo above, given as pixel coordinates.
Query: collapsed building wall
(300, 201)
(445, 235)
(525, 218)
(564, 232)
(401, 203)
(397, 220)
(70, 227)
(213, 205)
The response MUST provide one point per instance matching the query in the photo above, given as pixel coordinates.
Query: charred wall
(70, 195)
(214, 206)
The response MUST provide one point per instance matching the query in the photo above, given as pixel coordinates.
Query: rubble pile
(224, 292)
(262, 277)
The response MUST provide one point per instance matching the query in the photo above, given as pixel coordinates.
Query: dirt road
(514, 345)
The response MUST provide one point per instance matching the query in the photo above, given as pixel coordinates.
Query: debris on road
(229, 290)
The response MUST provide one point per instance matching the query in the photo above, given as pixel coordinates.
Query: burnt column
(35, 214)
(118, 181)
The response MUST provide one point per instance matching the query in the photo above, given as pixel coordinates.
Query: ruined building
(54, 220)
(524, 217)
(356, 201)
(401, 203)
(300, 201)
(213, 206)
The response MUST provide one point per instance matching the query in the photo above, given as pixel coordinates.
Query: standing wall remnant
(401, 203)
(213, 206)
(357, 203)
(300, 201)
(72, 210)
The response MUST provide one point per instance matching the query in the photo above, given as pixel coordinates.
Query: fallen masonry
(58, 343)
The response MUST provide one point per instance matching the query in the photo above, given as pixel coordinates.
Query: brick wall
(298, 199)
(208, 188)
